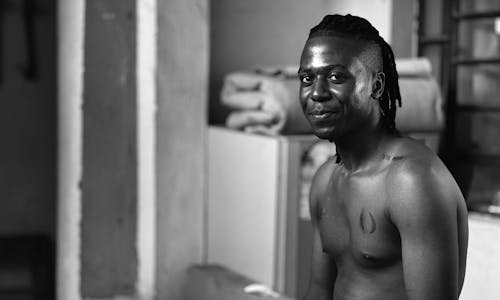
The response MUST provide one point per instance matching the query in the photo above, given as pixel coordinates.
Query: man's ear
(378, 85)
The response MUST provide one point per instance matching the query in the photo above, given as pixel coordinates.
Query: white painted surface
(146, 138)
(70, 86)
(378, 12)
(483, 259)
(242, 197)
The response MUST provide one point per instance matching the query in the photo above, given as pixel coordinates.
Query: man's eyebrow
(325, 68)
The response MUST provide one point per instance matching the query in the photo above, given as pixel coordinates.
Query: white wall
(483, 259)
(70, 85)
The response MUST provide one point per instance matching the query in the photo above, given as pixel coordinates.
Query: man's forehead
(318, 56)
(323, 51)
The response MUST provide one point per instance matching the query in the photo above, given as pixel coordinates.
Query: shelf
(476, 61)
(493, 210)
(15, 291)
(433, 40)
(477, 108)
(480, 159)
(476, 15)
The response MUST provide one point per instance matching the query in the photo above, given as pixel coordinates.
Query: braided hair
(354, 27)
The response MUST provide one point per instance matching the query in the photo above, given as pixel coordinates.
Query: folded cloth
(414, 67)
(262, 103)
(422, 105)
(290, 71)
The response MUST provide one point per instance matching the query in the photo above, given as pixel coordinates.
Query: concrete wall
(28, 123)
(404, 30)
(181, 140)
(132, 151)
(109, 178)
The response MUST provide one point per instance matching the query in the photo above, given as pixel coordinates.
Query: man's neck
(360, 148)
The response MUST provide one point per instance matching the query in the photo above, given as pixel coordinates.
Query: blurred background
(132, 166)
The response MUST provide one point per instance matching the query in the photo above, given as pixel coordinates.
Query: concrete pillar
(404, 31)
(182, 108)
(109, 173)
(105, 215)
(132, 119)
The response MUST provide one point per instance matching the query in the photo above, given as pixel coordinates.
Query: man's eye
(306, 79)
(336, 77)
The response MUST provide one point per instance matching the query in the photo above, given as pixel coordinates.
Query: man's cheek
(303, 99)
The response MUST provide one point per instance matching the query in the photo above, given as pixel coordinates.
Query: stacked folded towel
(263, 103)
(422, 104)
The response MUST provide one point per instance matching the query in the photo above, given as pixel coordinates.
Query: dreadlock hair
(354, 27)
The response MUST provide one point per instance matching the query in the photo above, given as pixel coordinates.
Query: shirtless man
(389, 219)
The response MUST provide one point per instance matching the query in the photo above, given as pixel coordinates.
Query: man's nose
(320, 91)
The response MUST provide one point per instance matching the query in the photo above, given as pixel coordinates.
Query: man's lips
(321, 115)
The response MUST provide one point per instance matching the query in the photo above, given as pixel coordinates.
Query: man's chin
(324, 133)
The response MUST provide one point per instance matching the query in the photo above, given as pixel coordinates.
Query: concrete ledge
(213, 282)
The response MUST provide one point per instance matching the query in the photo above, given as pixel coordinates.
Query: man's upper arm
(425, 213)
(323, 270)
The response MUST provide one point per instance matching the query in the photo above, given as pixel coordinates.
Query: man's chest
(353, 221)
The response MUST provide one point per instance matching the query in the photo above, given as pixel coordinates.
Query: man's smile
(322, 115)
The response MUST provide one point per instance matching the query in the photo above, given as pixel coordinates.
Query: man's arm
(322, 273)
(423, 206)
(323, 269)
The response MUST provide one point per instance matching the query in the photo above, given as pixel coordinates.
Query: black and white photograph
(249, 150)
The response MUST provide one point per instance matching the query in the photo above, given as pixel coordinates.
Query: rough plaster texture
(28, 124)
(109, 180)
(182, 101)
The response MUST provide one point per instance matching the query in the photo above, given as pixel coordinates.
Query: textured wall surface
(404, 31)
(109, 179)
(182, 101)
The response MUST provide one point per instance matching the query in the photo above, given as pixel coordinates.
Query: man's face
(336, 86)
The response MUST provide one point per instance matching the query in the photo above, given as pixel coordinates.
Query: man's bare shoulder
(408, 148)
(409, 157)
(418, 181)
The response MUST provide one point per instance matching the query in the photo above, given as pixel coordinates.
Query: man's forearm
(316, 292)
